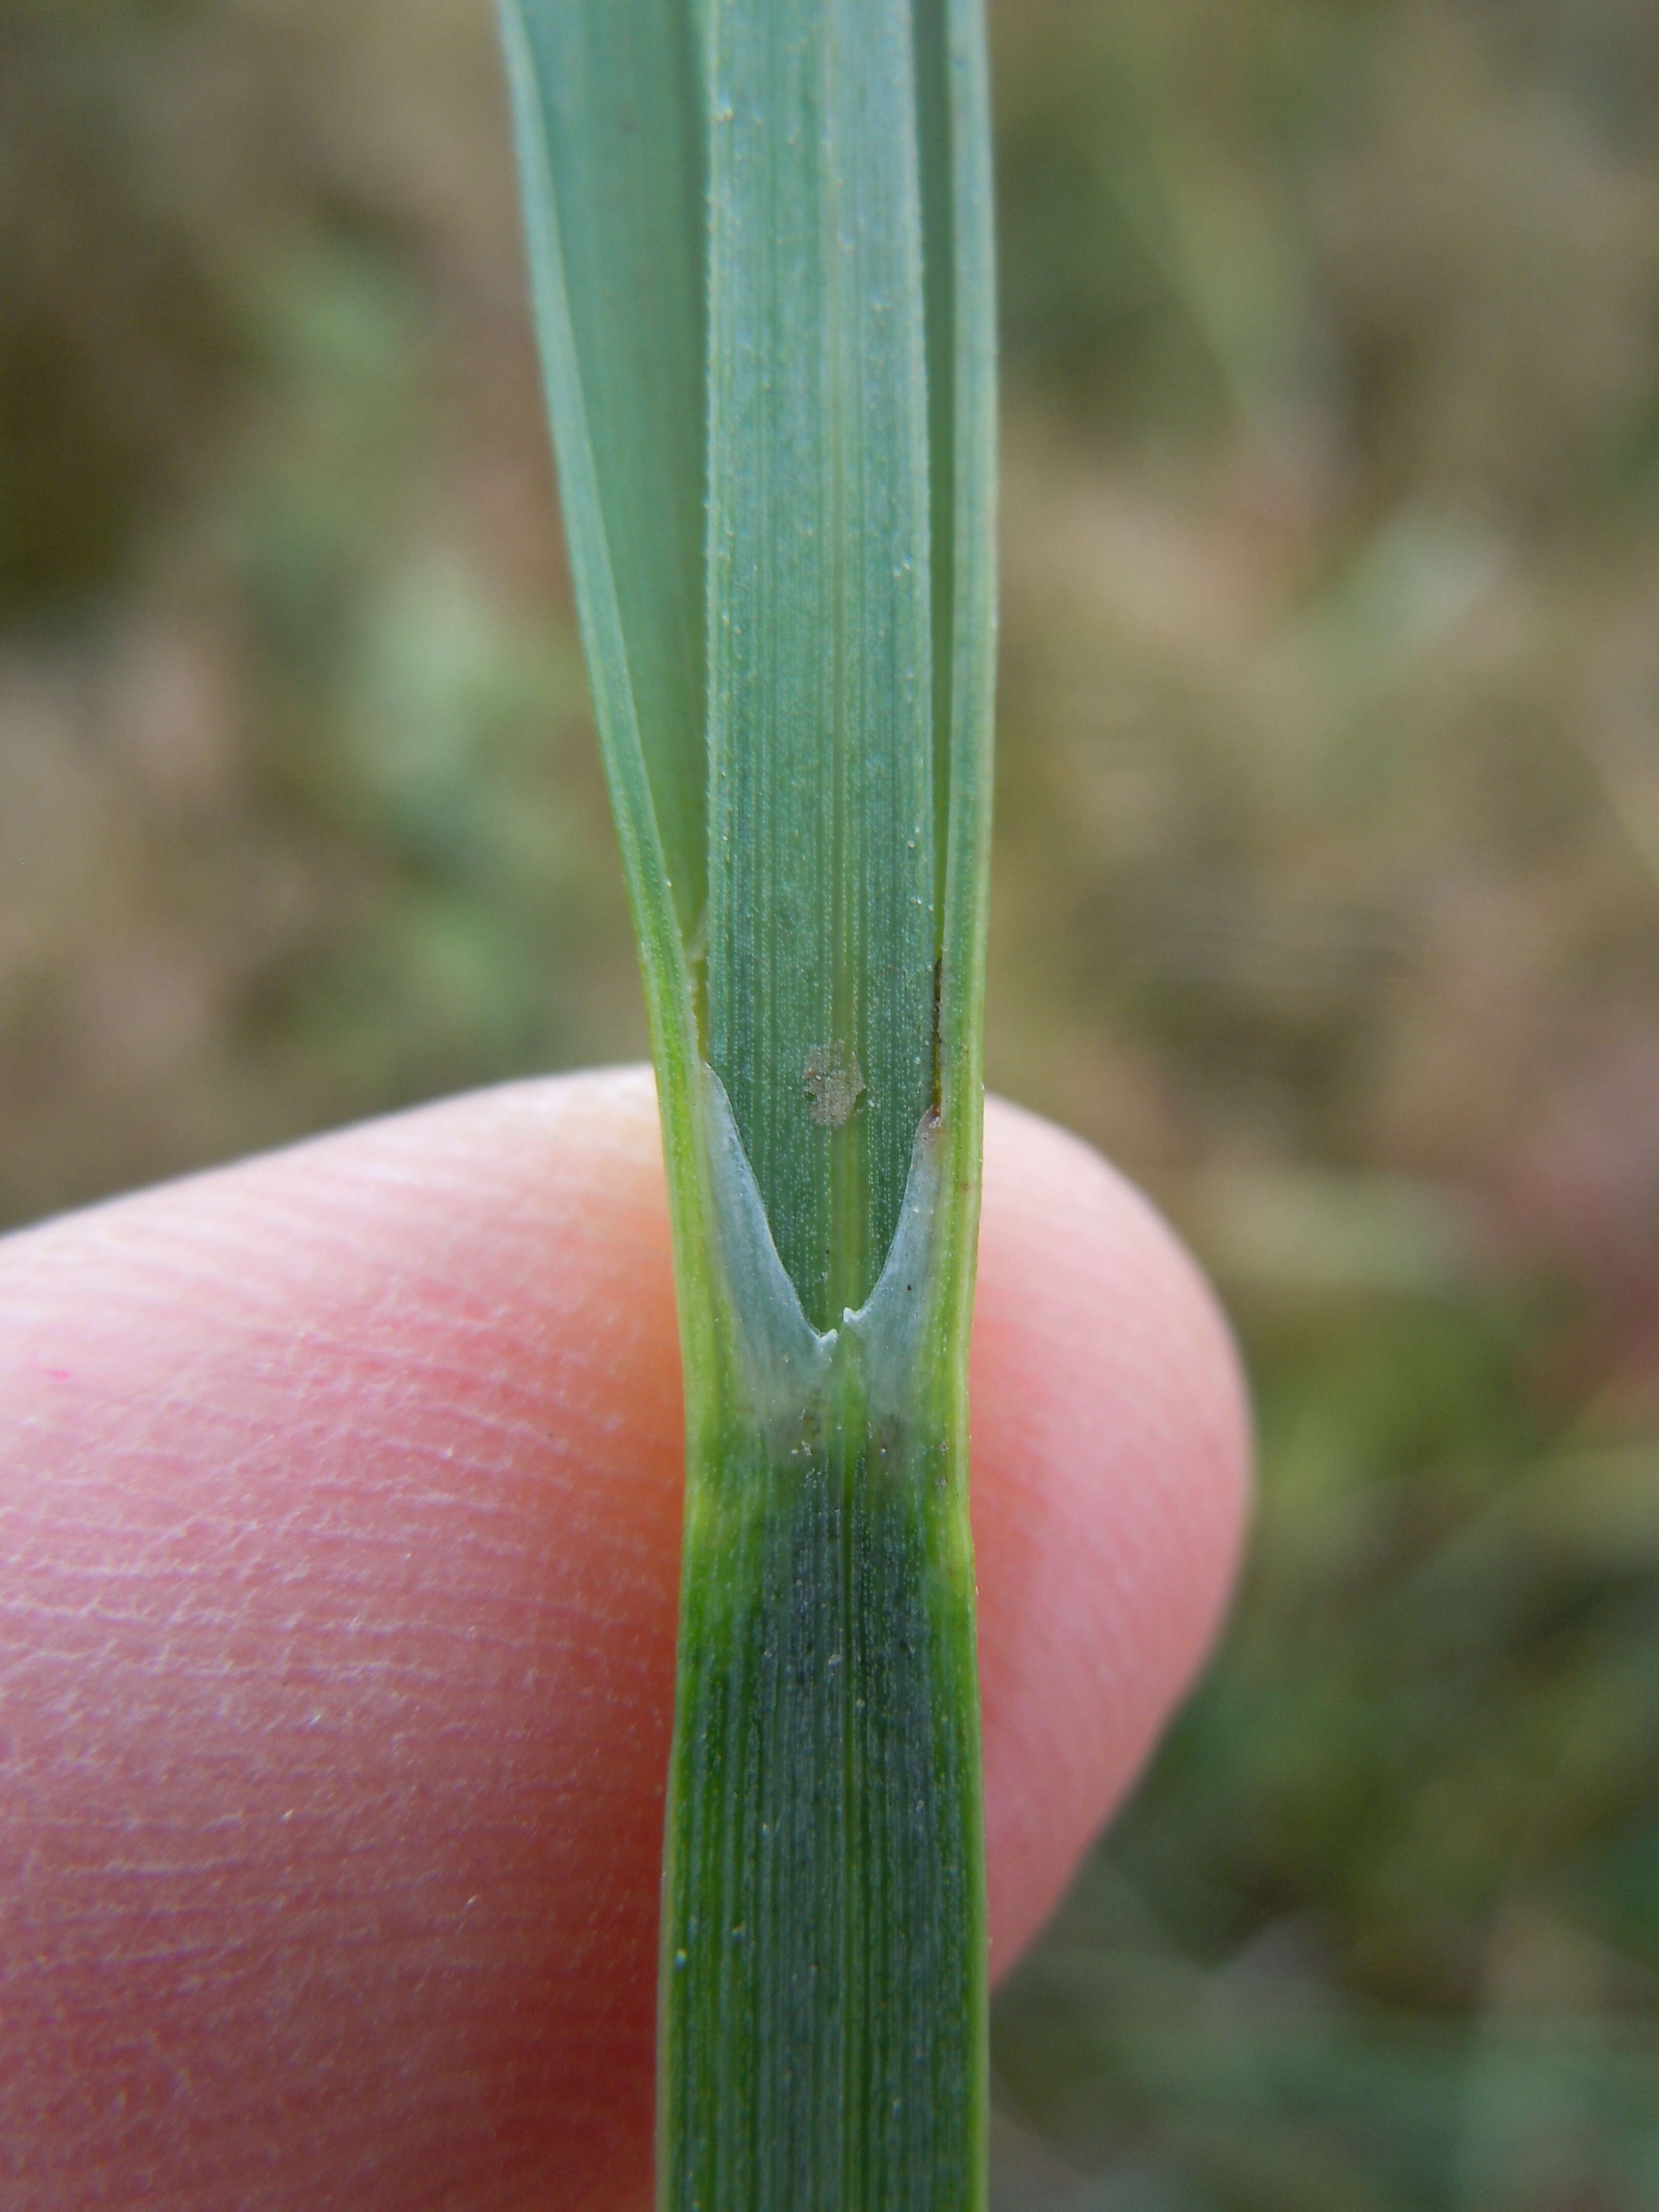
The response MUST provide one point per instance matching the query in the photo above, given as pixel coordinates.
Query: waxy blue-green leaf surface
(822, 935)
(760, 236)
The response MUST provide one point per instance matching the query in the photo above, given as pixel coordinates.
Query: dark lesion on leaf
(938, 1105)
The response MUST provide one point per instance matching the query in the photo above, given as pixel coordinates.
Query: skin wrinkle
(336, 1613)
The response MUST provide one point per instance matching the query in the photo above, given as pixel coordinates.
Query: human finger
(338, 1548)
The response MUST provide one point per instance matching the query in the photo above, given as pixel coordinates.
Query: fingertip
(338, 1539)
(1110, 1483)
(338, 1600)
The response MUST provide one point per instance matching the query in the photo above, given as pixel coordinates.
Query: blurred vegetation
(1328, 899)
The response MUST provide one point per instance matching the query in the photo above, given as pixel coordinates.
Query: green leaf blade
(823, 913)
(611, 121)
(955, 108)
(823, 774)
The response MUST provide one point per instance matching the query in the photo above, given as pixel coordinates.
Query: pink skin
(338, 1544)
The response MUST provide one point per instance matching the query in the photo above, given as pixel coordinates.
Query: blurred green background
(1326, 900)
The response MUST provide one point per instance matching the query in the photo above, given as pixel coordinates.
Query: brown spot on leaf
(834, 1084)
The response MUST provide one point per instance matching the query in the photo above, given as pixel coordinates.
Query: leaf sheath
(775, 419)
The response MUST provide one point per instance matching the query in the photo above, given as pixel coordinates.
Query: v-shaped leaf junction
(750, 226)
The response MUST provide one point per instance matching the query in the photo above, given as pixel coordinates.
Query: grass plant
(1332, 532)
(760, 240)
